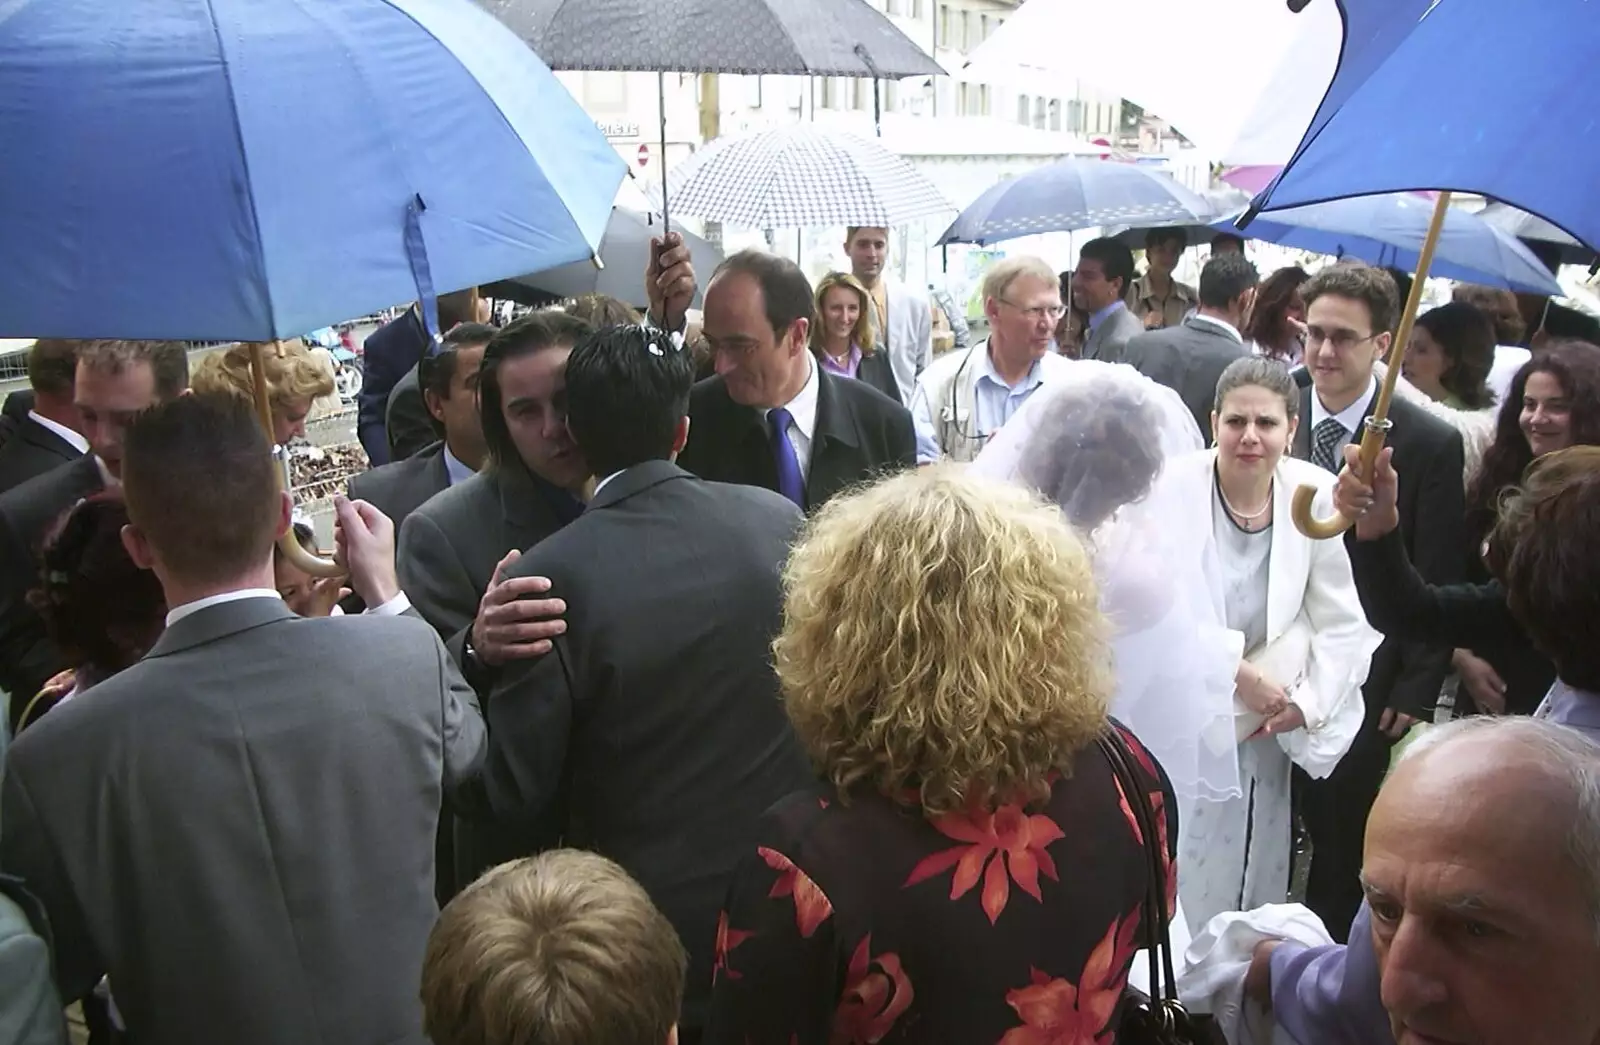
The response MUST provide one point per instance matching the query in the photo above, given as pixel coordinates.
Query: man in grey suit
(239, 829)
(1099, 285)
(658, 709)
(448, 380)
(1189, 358)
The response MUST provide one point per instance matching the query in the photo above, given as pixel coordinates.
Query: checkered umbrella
(794, 177)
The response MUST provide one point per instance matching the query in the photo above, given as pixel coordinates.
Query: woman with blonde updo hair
(295, 379)
(969, 866)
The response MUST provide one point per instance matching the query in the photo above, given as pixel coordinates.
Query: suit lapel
(36, 434)
(636, 480)
(1290, 564)
(527, 506)
(834, 465)
(1302, 435)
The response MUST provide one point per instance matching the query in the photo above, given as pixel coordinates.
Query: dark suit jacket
(239, 828)
(387, 354)
(877, 371)
(406, 420)
(27, 513)
(14, 412)
(1400, 603)
(660, 700)
(1427, 453)
(1188, 359)
(32, 450)
(400, 488)
(860, 434)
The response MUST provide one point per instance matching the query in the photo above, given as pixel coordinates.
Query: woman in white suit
(1295, 625)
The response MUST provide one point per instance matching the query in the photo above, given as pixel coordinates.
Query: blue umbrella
(1390, 230)
(1077, 193)
(254, 169)
(1459, 95)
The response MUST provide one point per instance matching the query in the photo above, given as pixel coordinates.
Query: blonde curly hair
(942, 642)
(294, 374)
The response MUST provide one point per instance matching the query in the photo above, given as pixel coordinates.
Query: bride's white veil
(1096, 441)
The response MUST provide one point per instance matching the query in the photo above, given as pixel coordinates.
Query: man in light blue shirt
(966, 396)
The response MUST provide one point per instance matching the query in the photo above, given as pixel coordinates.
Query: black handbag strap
(1115, 748)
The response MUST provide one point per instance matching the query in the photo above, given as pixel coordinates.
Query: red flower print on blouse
(1004, 846)
(1055, 1012)
(727, 940)
(1158, 803)
(811, 905)
(876, 992)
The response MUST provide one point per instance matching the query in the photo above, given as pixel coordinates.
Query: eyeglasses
(1343, 340)
(1038, 312)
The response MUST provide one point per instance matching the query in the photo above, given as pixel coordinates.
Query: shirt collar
(1095, 319)
(601, 485)
(454, 470)
(1180, 290)
(73, 439)
(1033, 377)
(1221, 324)
(1351, 416)
(177, 613)
(803, 407)
(1576, 708)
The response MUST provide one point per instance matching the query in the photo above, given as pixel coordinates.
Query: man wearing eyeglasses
(1350, 311)
(964, 397)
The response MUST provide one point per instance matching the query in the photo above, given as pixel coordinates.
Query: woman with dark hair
(1277, 326)
(1446, 372)
(1554, 404)
(102, 612)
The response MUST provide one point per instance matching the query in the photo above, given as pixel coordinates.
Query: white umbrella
(1239, 78)
(794, 177)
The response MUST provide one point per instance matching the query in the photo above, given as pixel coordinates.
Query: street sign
(644, 156)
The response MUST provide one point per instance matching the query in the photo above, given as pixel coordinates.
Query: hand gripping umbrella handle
(1378, 424)
(287, 544)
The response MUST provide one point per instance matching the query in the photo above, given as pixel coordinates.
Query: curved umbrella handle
(292, 550)
(1378, 424)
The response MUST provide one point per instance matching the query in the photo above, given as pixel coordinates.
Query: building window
(964, 32)
(891, 96)
(919, 9)
(863, 94)
(944, 27)
(983, 99)
(1024, 110)
(1038, 113)
(1055, 114)
(830, 93)
(963, 94)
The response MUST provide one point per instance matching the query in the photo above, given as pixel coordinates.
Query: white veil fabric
(1096, 441)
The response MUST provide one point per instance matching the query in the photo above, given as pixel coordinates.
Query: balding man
(1482, 922)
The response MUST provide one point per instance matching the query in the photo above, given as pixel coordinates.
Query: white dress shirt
(1221, 324)
(73, 439)
(1351, 417)
(803, 409)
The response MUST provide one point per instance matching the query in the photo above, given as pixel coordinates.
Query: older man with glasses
(965, 397)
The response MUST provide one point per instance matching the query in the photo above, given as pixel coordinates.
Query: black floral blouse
(868, 923)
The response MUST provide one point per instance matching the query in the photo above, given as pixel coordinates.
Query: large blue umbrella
(1459, 95)
(1390, 230)
(255, 169)
(1077, 193)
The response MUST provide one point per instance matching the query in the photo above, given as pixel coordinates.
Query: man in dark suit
(1190, 357)
(14, 412)
(114, 382)
(659, 703)
(450, 391)
(51, 432)
(276, 884)
(1099, 287)
(390, 352)
(1350, 311)
(772, 417)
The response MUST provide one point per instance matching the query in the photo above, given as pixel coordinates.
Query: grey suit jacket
(659, 703)
(1189, 359)
(399, 488)
(239, 829)
(1113, 334)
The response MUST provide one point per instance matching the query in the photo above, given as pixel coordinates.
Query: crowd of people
(761, 676)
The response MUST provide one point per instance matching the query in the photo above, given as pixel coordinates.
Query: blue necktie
(790, 482)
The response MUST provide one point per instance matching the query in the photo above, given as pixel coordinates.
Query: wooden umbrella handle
(291, 548)
(1378, 425)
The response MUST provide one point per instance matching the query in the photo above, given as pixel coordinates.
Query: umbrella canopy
(1239, 78)
(1534, 230)
(1077, 193)
(793, 177)
(1412, 108)
(1390, 230)
(626, 253)
(1225, 202)
(754, 37)
(260, 168)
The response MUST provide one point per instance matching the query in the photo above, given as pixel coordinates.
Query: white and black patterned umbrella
(795, 177)
(753, 37)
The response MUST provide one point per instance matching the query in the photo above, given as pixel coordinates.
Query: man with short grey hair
(965, 397)
(1482, 879)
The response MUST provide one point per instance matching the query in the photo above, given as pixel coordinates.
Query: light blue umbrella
(1390, 230)
(1077, 193)
(254, 169)
(1460, 95)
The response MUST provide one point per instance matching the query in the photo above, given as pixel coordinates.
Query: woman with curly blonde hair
(970, 867)
(843, 337)
(295, 379)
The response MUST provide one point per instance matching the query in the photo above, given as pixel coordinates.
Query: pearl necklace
(1245, 518)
